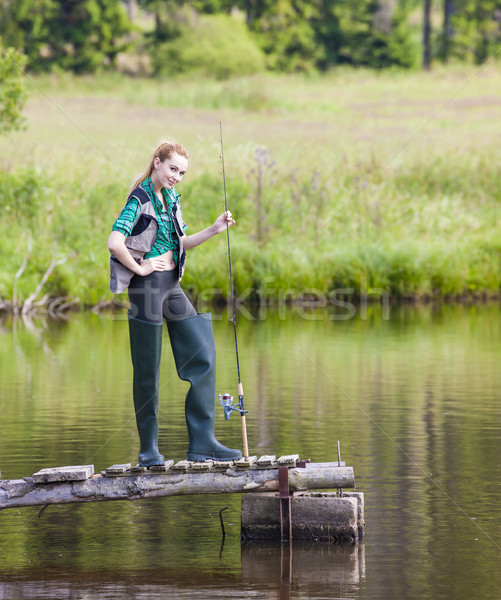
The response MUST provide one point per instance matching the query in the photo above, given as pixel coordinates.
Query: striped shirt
(166, 237)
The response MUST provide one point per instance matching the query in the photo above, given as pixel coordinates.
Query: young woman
(147, 246)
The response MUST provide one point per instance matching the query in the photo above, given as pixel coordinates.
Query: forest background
(361, 143)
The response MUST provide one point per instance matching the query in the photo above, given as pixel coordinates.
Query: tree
(25, 25)
(85, 34)
(394, 44)
(80, 35)
(427, 35)
(448, 30)
(287, 33)
(477, 31)
(372, 33)
(171, 16)
(12, 89)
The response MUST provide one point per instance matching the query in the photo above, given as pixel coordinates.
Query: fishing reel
(226, 402)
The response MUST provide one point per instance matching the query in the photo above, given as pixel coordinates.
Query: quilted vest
(141, 240)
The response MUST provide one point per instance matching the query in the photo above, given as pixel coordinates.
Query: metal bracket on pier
(285, 500)
(285, 504)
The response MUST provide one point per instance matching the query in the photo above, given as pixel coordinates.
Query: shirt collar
(170, 196)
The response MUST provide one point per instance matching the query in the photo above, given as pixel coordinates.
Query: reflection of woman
(147, 247)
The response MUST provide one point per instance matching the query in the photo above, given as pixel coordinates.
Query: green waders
(146, 350)
(192, 341)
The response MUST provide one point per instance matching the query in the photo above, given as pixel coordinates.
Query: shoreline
(57, 310)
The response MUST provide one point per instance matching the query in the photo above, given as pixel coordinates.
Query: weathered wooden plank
(118, 469)
(289, 459)
(183, 465)
(245, 463)
(126, 470)
(162, 468)
(75, 473)
(138, 469)
(202, 465)
(17, 493)
(222, 465)
(266, 461)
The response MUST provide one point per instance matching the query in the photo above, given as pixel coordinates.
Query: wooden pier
(64, 485)
(278, 501)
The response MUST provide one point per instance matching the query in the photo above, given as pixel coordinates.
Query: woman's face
(170, 172)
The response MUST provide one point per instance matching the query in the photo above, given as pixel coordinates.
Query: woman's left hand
(220, 224)
(223, 221)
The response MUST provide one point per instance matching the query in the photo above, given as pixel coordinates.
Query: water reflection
(304, 569)
(414, 401)
(271, 572)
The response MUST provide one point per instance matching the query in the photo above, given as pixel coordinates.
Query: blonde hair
(164, 151)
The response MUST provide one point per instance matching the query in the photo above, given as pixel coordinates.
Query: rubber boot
(146, 349)
(192, 341)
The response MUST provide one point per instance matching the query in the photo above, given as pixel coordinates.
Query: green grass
(369, 180)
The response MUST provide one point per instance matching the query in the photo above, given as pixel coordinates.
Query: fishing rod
(226, 399)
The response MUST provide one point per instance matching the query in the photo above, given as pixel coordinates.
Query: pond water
(414, 400)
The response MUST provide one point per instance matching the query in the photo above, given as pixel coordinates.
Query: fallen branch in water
(103, 303)
(58, 305)
(54, 306)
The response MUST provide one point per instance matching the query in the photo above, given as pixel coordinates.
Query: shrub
(12, 89)
(209, 45)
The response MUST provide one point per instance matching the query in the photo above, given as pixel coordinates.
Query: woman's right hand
(164, 262)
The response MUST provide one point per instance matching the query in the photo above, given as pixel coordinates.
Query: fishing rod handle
(244, 438)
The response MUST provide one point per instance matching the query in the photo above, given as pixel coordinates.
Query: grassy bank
(356, 180)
